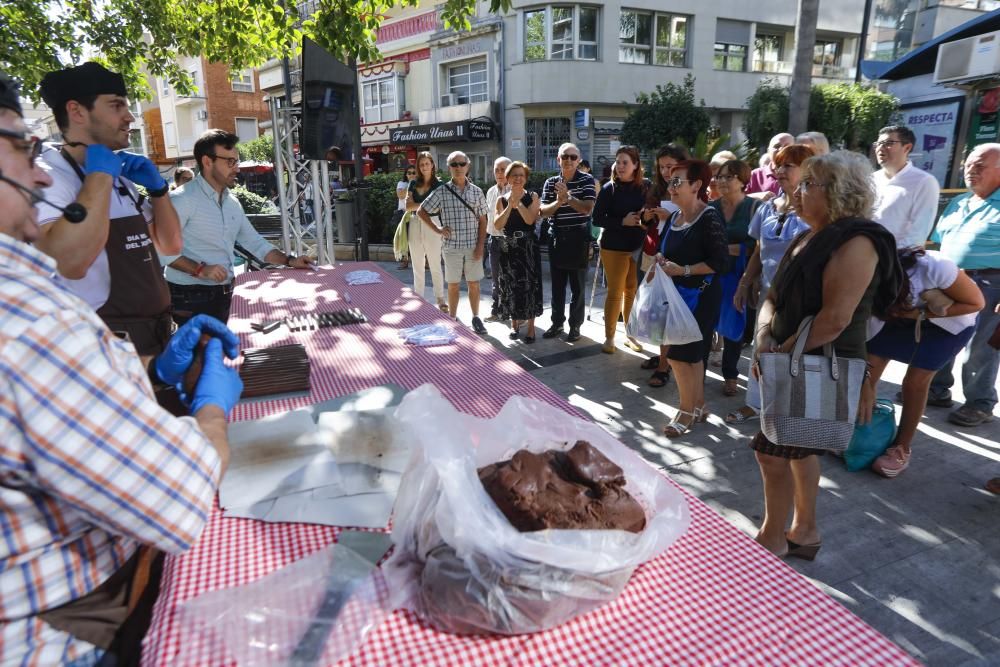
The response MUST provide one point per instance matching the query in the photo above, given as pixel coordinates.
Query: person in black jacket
(619, 211)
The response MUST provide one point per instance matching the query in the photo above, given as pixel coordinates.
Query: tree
(137, 36)
(260, 149)
(667, 114)
(767, 113)
(805, 45)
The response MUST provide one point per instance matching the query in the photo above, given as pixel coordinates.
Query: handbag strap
(800, 345)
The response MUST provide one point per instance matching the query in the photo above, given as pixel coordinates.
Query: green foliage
(260, 149)
(538, 178)
(380, 204)
(870, 112)
(767, 113)
(667, 114)
(830, 111)
(43, 35)
(251, 201)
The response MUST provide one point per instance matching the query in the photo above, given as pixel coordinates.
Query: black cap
(84, 80)
(9, 98)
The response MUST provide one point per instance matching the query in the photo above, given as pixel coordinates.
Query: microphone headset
(73, 212)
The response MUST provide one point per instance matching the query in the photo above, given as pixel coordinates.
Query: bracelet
(198, 269)
(687, 270)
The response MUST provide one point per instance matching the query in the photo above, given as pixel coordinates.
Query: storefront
(476, 138)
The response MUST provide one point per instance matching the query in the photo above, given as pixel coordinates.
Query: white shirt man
(500, 175)
(907, 196)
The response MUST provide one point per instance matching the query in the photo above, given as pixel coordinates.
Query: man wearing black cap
(91, 468)
(109, 258)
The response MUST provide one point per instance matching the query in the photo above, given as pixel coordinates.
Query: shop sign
(470, 130)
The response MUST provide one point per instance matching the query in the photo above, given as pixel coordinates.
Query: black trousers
(191, 300)
(493, 251)
(577, 279)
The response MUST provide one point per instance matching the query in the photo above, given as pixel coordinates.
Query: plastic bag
(330, 599)
(872, 439)
(400, 242)
(459, 563)
(659, 315)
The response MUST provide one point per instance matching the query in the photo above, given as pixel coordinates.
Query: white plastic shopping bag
(659, 315)
(459, 563)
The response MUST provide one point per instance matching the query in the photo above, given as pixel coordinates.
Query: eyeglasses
(807, 184)
(722, 179)
(676, 182)
(457, 165)
(30, 146)
(886, 143)
(411, 173)
(570, 157)
(230, 161)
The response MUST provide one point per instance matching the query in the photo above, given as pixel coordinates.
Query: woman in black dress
(520, 263)
(693, 250)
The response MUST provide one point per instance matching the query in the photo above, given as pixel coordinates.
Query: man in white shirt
(212, 222)
(500, 174)
(907, 197)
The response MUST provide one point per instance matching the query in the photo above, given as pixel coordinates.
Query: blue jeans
(979, 372)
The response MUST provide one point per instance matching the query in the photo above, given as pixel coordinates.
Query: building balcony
(785, 68)
(189, 101)
(453, 113)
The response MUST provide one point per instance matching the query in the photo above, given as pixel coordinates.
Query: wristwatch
(687, 270)
(288, 259)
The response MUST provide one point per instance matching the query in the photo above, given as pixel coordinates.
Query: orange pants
(620, 269)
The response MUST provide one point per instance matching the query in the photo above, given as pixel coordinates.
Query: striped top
(581, 186)
(969, 231)
(90, 465)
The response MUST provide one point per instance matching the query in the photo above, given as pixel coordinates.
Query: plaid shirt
(464, 225)
(90, 465)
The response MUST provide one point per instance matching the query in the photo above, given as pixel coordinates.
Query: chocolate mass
(580, 489)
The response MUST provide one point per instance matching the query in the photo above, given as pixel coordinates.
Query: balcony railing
(786, 67)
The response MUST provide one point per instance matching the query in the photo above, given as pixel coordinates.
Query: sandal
(730, 388)
(651, 363)
(443, 307)
(740, 416)
(658, 378)
(675, 428)
(633, 345)
(803, 551)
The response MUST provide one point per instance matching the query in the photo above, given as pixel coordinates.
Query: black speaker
(330, 116)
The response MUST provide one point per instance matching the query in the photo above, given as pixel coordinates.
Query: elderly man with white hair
(969, 233)
(494, 193)
(461, 205)
(763, 179)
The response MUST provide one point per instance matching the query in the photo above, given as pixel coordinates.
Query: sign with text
(581, 118)
(935, 125)
(469, 130)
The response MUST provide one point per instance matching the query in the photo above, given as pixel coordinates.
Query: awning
(922, 60)
(255, 167)
(477, 129)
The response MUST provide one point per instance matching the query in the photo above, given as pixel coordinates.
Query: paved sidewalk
(917, 557)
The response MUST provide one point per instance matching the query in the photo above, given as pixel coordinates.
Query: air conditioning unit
(202, 115)
(449, 100)
(968, 58)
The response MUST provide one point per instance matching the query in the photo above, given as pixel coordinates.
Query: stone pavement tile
(986, 640)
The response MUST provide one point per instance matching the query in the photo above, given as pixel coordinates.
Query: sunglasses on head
(457, 164)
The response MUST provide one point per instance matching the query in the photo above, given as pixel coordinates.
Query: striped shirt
(969, 231)
(464, 225)
(90, 465)
(581, 186)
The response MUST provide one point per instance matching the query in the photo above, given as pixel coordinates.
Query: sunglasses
(723, 178)
(30, 146)
(457, 165)
(230, 161)
(676, 182)
(410, 173)
(571, 158)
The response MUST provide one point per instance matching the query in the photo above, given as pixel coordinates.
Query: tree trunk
(805, 43)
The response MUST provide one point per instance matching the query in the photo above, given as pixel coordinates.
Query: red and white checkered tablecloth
(713, 598)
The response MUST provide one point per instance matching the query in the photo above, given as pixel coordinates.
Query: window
(194, 77)
(246, 129)
(243, 82)
(561, 32)
(826, 57)
(646, 38)
(164, 87)
(380, 100)
(542, 140)
(731, 57)
(135, 144)
(169, 135)
(481, 166)
(768, 51)
(467, 82)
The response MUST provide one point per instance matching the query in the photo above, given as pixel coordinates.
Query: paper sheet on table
(343, 470)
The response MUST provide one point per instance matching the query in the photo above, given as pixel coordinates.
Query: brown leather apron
(139, 300)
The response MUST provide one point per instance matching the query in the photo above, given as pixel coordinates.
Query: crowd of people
(114, 280)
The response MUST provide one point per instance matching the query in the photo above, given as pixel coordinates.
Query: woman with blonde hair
(424, 244)
(618, 211)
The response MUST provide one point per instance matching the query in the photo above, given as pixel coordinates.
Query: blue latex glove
(174, 361)
(101, 159)
(140, 170)
(218, 384)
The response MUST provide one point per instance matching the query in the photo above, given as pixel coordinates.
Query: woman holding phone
(618, 211)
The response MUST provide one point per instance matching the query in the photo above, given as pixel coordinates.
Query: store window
(243, 83)
(467, 82)
(246, 129)
(543, 136)
(380, 100)
(646, 38)
(561, 32)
